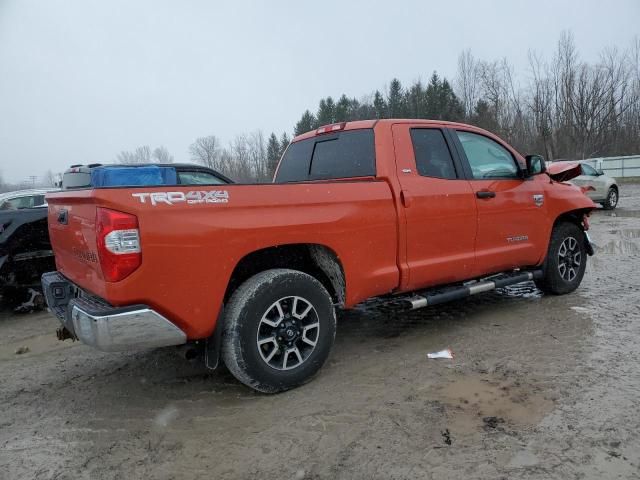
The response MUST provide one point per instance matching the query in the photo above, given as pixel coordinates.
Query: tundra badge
(538, 199)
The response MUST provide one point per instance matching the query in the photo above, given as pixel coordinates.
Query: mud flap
(588, 244)
(213, 345)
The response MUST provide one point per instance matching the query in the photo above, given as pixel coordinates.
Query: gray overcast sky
(82, 80)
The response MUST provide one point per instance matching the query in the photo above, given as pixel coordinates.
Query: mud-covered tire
(611, 201)
(244, 325)
(559, 280)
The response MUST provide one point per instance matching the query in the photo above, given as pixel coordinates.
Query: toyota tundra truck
(416, 212)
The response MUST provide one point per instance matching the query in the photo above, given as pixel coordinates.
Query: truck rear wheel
(566, 260)
(279, 328)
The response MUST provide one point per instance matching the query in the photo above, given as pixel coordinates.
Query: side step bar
(436, 296)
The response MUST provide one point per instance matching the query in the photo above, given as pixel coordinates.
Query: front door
(438, 205)
(511, 210)
(589, 178)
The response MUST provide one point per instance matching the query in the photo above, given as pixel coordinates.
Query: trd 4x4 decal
(192, 197)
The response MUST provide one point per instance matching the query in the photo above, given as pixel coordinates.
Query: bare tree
(162, 155)
(467, 82)
(144, 154)
(540, 104)
(206, 151)
(257, 153)
(139, 155)
(241, 163)
(49, 179)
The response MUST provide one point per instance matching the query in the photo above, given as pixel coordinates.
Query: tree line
(562, 108)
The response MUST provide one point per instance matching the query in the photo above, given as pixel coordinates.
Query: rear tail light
(118, 240)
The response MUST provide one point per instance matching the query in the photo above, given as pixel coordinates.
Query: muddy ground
(540, 387)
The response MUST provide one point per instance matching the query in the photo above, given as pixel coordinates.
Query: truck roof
(358, 124)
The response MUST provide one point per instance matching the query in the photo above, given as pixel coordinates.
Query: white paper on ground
(441, 354)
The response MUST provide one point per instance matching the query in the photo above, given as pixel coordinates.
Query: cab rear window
(340, 155)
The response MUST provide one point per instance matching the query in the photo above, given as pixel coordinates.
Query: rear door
(511, 210)
(439, 207)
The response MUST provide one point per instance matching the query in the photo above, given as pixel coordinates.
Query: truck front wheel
(566, 260)
(279, 327)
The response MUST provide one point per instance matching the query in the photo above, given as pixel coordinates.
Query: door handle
(406, 198)
(485, 194)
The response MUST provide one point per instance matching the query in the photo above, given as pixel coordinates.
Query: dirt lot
(540, 387)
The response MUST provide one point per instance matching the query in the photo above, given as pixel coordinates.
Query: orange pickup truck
(419, 212)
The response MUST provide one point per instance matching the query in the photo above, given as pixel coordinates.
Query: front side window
(487, 158)
(589, 170)
(433, 158)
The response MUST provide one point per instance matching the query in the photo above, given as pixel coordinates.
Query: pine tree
(284, 143)
(441, 102)
(379, 105)
(395, 100)
(342, 109)
(306, 123)
(453, 110)
(326, 111)
(355, 110)
(273, 154)
(415, 101)
(484, 116)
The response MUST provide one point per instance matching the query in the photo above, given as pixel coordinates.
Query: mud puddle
(623, 213)
(625, 244)
(477, 404)
(627, 232)
(520, 290)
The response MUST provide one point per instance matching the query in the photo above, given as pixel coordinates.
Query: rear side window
(433, 158)
(294, 166)
(344, 155)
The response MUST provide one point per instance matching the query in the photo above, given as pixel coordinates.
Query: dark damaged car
(25, 250)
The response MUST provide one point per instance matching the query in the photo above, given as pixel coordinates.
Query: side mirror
(599, 172)
(535, 165)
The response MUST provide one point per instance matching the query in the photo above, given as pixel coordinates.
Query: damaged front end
(563, 173)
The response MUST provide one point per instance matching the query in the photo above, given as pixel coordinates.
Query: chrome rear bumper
(133, 330)
(104, 327)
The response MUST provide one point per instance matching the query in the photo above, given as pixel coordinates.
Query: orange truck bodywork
(392, 233)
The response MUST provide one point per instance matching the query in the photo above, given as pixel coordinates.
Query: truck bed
(355, 219)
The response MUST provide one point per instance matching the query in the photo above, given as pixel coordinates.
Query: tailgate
(72, 229)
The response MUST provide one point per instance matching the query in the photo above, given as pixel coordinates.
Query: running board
(436, 296)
